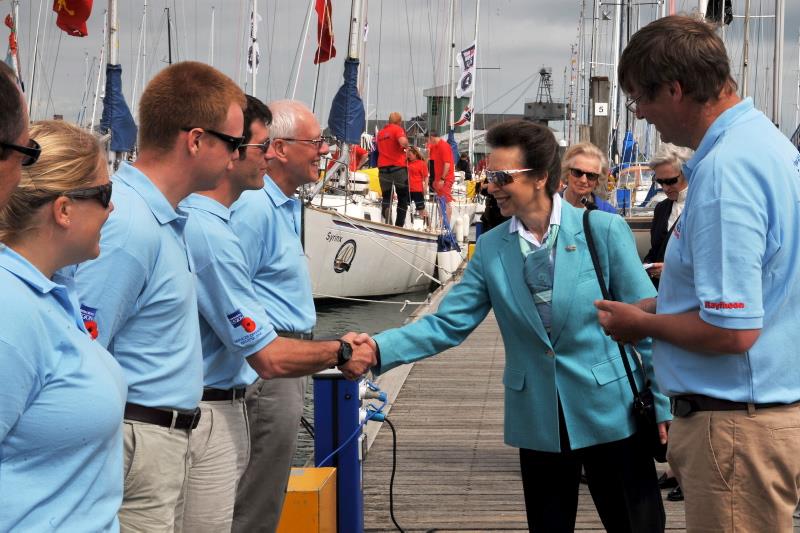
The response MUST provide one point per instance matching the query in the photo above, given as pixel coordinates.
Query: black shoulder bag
(644, 408)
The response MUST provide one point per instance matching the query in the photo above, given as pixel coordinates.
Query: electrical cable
(391, 479)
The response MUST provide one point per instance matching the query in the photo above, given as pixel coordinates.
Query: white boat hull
(359, 258)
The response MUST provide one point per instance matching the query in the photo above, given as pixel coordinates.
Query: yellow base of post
(310, 505)
(470, 250)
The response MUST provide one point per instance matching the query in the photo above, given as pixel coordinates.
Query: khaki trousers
(155, 471)
(274, 408)
(739, 470)
(219, 449)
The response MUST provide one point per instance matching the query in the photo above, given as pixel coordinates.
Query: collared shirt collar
(23, 269)
(275, 193)
(153, 197)
(209, 205)
(682, 196)
(516, 224)
(717, 128)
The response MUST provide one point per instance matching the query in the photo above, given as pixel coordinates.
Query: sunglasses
(263, 147)
(503, 177)
(668, 181)
(577, 173)
(632, 105)
(31, 152)
(233, 142)
(318, 142)
(101, 193)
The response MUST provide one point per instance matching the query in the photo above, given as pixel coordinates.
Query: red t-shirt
(356, 153)
(441, 153)
(417, 175)
(390, 151)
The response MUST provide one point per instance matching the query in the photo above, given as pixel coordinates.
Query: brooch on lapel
(571, 248)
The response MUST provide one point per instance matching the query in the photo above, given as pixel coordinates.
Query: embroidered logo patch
(88, 313)
(238, 319)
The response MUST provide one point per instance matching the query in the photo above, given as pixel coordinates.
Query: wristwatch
(345, 352)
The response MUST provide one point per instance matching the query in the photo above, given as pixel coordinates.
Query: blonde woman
(582, 169)
(61, 393)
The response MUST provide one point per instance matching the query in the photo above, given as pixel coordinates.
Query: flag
(465, 118)
(466, 61)
(253, 52)
(12, 57)
(117, 116)
(72, 16)
(325, 48)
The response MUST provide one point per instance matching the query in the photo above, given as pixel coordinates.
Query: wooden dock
(454, 473)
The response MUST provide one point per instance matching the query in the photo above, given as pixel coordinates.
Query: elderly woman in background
(582, 168)
(567, 400)
(668, 167)
(61, 394)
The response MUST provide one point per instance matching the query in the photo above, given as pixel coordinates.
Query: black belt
(295, 335)
(391, 168)
(168, 418)
(687, 404)
(222, 395)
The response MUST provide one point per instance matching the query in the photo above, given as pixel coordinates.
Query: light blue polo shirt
(267, 223)
(734, 256)
(233, 325)
(61, 403)
(141, 293)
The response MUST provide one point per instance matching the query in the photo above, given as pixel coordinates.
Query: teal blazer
(578, 364)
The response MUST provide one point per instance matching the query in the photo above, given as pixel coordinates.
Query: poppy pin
(248, 324)
(91, 327)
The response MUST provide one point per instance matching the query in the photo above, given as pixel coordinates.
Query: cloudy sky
(406, 49)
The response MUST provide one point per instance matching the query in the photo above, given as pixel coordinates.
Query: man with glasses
(140, 292)
(239, 342)
(268, 224)
(726, 317)
(16, 149)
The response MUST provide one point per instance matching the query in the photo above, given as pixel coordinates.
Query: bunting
(72, 16)
(253, 52)
(325, 48)
(12, 57)
(466, 61)
(465, 118)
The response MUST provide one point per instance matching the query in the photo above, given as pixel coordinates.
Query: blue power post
(337, 404)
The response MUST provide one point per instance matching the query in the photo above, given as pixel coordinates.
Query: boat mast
(452, 65)
(745, 47)
(253, 36)
(797, 94)
(211, 47)
(614, 79)
(303, 49)
(169, 37)
(777, 69)
(99, 72)
(471, 146)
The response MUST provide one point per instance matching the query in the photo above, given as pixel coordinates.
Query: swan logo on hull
(344, 257)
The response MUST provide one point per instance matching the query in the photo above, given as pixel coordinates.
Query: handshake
(364, 356)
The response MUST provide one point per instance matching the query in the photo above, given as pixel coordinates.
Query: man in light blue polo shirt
(267, 222)
(237, 336)
(727, 341)
(140, 291)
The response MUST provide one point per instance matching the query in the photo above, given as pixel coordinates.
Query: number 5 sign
(601, 109)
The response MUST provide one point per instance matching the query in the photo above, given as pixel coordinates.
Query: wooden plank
(454, 473)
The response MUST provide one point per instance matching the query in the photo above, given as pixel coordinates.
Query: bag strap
(606, 296)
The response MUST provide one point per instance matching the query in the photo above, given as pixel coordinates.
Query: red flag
(325, 48)
(72, 16)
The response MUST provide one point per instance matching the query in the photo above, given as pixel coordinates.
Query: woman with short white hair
(668, 167)
(583, 168)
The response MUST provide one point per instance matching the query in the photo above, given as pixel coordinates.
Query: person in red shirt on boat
(392, 143)
(440, 152)
(417, 176)
(357, 157)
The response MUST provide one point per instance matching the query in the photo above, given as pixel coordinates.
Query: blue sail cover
(347, 118)
(116, 116)
(451, 140)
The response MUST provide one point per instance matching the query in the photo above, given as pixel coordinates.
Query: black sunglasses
(577, 173)
(668, 181)
(31, 152)
(263, 146)
(503, 177)
(101, 193)
(233, 142)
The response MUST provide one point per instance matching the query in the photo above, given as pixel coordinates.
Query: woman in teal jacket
(567, 399)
